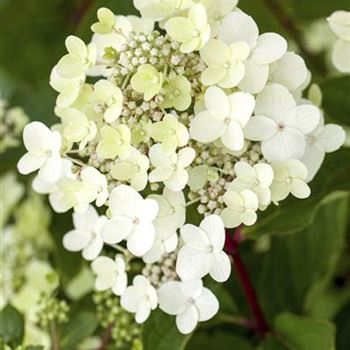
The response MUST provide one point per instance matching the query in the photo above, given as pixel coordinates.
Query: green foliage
(299, 333)
(160, 333)
(11, 326)
(80, 326)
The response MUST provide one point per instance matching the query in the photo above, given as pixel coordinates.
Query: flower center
(227, 65)
(289, 180)
(280, 126)
(196, 33)
(210, 249)
(227, 121)
(177, 92)
(136, 220)
(191, 301)
(241, 209)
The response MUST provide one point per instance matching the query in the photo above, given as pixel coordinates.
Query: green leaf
(11, 326)
(34, 347)
(160, 333)
(296, 263)
(342, 322)
(79, 327)
(271, 343)
(336, 100)
(302, 333)
(218, 340)
(294, 214)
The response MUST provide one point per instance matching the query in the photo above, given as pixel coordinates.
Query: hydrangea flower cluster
(206, 112)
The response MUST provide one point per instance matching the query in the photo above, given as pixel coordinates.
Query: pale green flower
(177, 94)
(170, 132)
(78, 128)
(115, 142)
(111, 98)
(192, 32)
(148, 81)
(141, 132)
(106, 21)
(78, 60)
(225, 63)
(133, 169)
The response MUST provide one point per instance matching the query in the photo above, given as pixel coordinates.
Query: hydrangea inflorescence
(203, 113)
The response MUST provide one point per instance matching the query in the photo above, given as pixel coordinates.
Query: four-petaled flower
(224, 118)
(203, 251)
(110, 274)
(132, 219)
(140, 298)
(280, 124)
(189, 301)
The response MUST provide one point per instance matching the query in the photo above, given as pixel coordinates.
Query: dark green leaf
(80, 326)
(342, 322)
(160, 333)
(218, 340)
(296, 263)
(11, 326)
(336, 101)
(305, 333)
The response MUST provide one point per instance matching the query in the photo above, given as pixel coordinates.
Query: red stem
(231, 247)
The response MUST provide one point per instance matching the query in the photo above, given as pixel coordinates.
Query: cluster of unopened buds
(204, 112)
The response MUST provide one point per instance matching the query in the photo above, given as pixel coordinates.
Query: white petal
(131, 299)
(270, 48)
(148, 210)
(290, 71)
(194, 236)
(37, 137)
(249, 217)
(255, 77)
(141, 239)
(233, 138)
(104, 282)
(265, 174)
(177, 181)
(260, 128)
(120, 284)
(284, 145)
(92, 251)
(217, 102)
(192, 289)
(242, 107)
(214, 227)
(51, 169)
(116, 229)
(124, 200)
(186, 321)
(142, 313)
(207, 305)
(238, 26)
(231, 218)
(86, 221)
(221, 268)
(206, 128)
(192, 263)
(300, 189)
(305, 118)
(313, 159)
(171, 299)
(244, 171)
(331, 138)
(75, 240)
(341, 56)
(154, 254)
(185, 157)
(29, 163)
(274, 102)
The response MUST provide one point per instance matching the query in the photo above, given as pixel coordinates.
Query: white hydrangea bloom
(289, 71)
(170, 167)
(257, 178)
(140, 298)
(189, 301)
(289, 177)
(132, 219)
(280, 124)
(241, 208)
(339, 22)
(86, 234)
(78, 193)
(171, 216)
(110, 98)
(77, 127)
(203, 251)
(326, 138)
(225, 63)
(110, 274)
(132, 169)
(69, 89)
(43, 146)
(265, 48)
(224, 118)
(192, 32)
(78, 60)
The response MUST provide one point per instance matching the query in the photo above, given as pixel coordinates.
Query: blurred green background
(299, 259)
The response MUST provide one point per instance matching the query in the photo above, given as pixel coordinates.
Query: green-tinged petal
(180, 29)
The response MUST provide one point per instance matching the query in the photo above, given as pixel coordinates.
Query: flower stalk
(231, 246)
